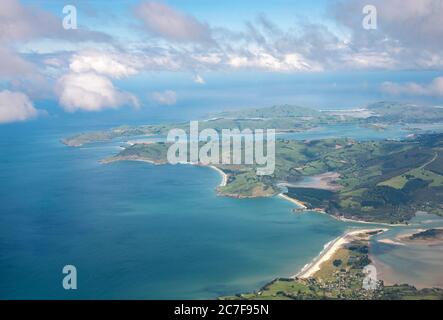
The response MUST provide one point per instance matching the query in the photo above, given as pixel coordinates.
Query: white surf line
(224, 176)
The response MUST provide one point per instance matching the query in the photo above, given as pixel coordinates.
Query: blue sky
(137, 55)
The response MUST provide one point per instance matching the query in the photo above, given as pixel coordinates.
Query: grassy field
(246, 184)
(399, 182)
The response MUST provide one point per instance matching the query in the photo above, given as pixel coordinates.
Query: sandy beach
(133, 142)
(368, 222)
(329, 250)
(117, 159)
(392, 242)
(295, 201)
(224, 176)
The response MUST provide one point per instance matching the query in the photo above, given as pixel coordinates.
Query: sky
(134, 55)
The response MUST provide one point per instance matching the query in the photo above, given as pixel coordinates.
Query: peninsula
(385, 181)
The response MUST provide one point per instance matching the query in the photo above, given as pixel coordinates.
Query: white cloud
(198, 79)
(11, 64)
(20, 22)
(169, 23)
(405, 39)
(415, 23)
(435, 88)
(109, 64)
(306, 46)
(54, 62)
(368, 60)
(87, 86)
(260, 59)
(208, 58)
(23, 24)
(15, 106)
(90, 92)
(408, 31)
(167, 97)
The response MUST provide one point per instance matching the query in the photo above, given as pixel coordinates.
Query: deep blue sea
(135, 230)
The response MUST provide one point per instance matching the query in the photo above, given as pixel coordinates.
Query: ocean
(135, 230)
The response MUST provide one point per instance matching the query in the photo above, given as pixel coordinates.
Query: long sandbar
(295, 201)
(328, 252)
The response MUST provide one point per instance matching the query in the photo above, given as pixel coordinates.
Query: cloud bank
(108, 64)
(90, 92)
(15, 106)
(165, 21)
(433, 89)
(408, 31)
(167, 97)
(87, 86)
(168, 39)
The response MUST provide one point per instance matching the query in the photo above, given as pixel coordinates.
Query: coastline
(301, 205)
(368, 222)
(342, 219)
(292, 200)
(329, 250)
(118, 159)
(224, 176)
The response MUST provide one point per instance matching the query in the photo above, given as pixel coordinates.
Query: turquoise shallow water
(135, 230)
